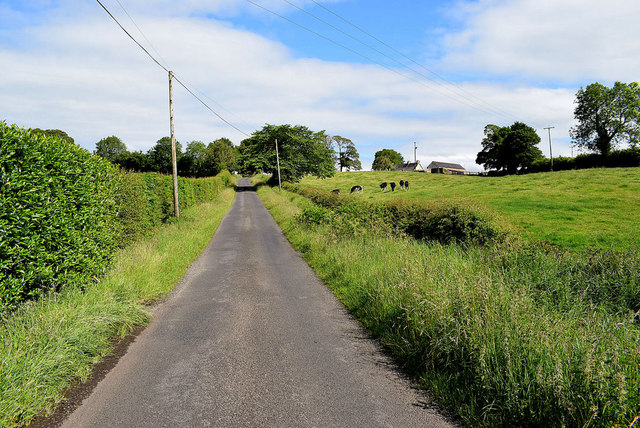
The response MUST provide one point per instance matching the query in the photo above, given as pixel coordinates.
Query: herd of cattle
(404, 185)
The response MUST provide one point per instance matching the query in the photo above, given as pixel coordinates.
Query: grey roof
(436, 164)
(408, 166)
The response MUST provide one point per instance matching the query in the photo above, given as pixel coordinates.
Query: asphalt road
(252, 338)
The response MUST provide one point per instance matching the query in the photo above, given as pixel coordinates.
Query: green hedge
(57, 216)
(145, 200)
(442, 222)
(626, 158)
(64, 211)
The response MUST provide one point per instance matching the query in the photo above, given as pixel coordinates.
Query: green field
(574, 209)
(513, 333)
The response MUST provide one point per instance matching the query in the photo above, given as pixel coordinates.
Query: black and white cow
(357, 189)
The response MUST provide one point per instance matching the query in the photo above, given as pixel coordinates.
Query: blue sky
(67, 65)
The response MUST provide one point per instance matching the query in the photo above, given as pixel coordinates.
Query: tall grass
(574, 209)
(47, 344)
(509, 335)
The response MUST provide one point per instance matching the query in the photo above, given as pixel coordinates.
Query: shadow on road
(245, 188)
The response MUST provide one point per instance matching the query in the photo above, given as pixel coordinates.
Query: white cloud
(89, 79)
(547, 40)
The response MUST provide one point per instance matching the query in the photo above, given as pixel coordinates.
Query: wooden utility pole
(174, 162)
(278, 161)
(550, 151)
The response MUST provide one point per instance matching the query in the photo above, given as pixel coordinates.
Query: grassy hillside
(574, 209)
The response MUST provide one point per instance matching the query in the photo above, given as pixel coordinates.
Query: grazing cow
(383, 186)
(402, 184)
(336, 191)
(393, 186)
(406, 185)
(356, 189)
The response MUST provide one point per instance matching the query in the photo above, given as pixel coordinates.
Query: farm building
(446, 168)
(410, 167)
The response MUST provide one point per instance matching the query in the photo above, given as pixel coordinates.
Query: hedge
(64, 211)
(57, 215)
(442, 222)
(616, 159)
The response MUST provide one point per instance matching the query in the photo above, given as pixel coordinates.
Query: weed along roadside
(56, 340)
(82, 268)
(502, 331)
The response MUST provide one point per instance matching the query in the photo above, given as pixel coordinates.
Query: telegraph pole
(278, 160)
(550, 151)
(174, 162)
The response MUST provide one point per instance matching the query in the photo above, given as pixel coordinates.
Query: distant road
(252, 338)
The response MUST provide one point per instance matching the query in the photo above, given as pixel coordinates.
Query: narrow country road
(252, 338)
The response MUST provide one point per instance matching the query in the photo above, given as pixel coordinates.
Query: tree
(221, 156)
(301, 150)
(382, 163)
(110, 148)
(607, 116)
(509, 148)
(386, 160)
(57, 133)
(160, 155)
(193, 161)
(134, 161)
(346, 154)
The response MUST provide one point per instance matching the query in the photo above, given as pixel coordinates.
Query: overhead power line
(408, 58)
(167, 70)
(140, 31)
(460, 95)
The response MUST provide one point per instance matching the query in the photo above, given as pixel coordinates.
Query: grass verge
(49, 343)
(574, 209)
(485, 329)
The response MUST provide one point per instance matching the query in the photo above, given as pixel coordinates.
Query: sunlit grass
(510, 335)
(47, 344)
(574, 209)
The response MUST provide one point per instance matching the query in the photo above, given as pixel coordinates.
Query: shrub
(437, 222)
(145, 200)
(63, 212)
(57, 221)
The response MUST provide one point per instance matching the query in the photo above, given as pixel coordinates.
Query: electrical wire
(502, 112)
(140, 31)
(421, 82)
(165, 69)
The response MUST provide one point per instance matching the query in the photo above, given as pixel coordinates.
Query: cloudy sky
(384, 74)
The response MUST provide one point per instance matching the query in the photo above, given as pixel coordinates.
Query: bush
(445, 223)
(64, 211)
(57, 221)
(145, 200)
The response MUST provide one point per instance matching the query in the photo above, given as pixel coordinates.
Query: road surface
(252, 338)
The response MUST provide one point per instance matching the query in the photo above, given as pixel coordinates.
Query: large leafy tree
(160, 155)
(509, 148)
(110, 148)
(134, 161)
(386, 159)
(193, 161)
(607, 116)
(301, 150)
(347, 156)
(221, 155)
(57, 133)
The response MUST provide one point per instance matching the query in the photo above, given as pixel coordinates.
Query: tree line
(301, 151)
(607, 118)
